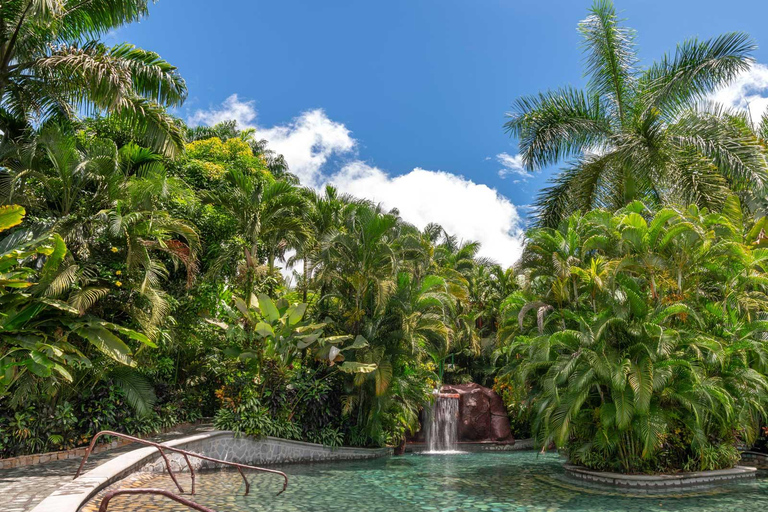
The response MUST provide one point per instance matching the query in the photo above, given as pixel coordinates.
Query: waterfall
(443, 426)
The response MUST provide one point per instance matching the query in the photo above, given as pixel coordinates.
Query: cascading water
(443, 427)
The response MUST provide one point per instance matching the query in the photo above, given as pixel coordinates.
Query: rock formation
(482, 415)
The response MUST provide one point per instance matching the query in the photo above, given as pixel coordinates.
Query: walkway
(23, 488)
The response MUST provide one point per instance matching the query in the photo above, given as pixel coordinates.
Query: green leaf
(624, 408)
(138, 390)
(634, 220)
(268, 308)
(760, 225)
(39, 364)
(134, 335)
(62, 371)
(263, 329)
(243, 308)
(359, 342)
(53, 261)
(11, 215)
(296, 313)
(107, 343)
(337, 339)
(732, 210)
(18, 320)
(355, 367)
(60, 305)
(305, 341)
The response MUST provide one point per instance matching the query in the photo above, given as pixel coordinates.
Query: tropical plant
(647, 352)
(52, 67)
(277, 330)
(267, 215)
(42, 331)
(638, 133)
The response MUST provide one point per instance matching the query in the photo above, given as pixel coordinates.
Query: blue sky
(361, 93)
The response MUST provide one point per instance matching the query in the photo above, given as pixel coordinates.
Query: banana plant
(278, 330)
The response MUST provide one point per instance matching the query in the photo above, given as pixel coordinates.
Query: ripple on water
(493, 482)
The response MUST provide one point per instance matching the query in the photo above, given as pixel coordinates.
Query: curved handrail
(162, 492)
(186, 454)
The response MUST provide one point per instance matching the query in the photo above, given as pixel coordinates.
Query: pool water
(493, 482)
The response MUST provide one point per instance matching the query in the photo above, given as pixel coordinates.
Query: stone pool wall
(754, 459)
(260, 452)
(485, 446)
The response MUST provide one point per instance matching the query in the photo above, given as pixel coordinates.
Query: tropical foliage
(641, 336)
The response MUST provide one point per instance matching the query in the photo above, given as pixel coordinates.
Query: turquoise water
(493, 482)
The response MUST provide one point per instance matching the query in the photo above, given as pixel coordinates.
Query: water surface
(493, 482)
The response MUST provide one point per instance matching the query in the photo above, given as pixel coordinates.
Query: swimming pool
(492, 482)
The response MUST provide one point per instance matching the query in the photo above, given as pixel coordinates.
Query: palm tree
(324, 214)
(268, 218)
(648, 350)
(52, 67)
(65, 172)
(639, 133)
(360, 262)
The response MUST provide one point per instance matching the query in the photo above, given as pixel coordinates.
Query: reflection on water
(492, 482)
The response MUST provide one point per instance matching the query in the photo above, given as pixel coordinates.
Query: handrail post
(247, 485)
(130, 438)
(170, 471)
(191, 472)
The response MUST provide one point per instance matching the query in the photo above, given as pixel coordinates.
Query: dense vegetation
(647, 351)
(141, 282)
(140, 265)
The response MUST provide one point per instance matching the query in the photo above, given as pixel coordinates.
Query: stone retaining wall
(660, 482)
(260, 452)
(74, 453)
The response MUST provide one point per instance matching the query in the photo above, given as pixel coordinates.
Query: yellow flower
(118, 283)
(115, 249)
(118, 272)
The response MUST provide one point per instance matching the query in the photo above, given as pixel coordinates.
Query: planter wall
(660, 482)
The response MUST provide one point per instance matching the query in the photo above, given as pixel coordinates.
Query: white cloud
(307, 142)
(232, 109)
(469, 210)
(512, 165)
(748, 91)
(466, 209)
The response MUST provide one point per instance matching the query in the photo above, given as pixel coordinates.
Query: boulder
(482, 415)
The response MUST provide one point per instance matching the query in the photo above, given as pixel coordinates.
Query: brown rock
(500, 430)
(482, 415)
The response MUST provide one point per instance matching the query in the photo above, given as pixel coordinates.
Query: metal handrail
(186, 454)
(162, 492)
